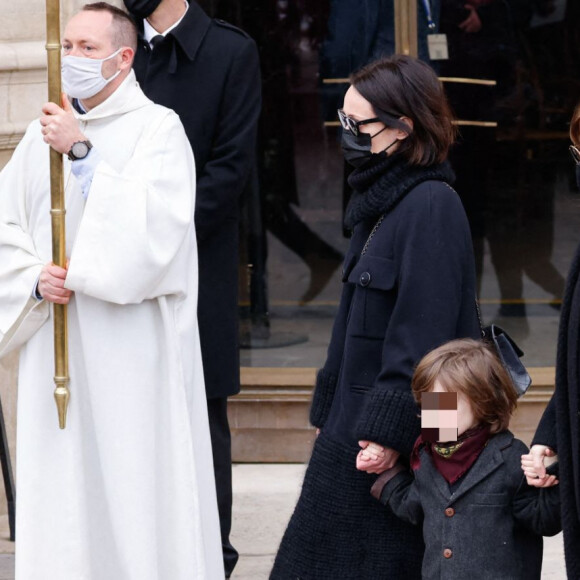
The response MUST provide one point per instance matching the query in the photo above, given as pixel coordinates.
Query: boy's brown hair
(470, 367)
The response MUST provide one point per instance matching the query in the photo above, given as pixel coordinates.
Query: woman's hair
(402, 86)
(575, 126)
(470, 367)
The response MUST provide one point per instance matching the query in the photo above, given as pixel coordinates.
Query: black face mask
(357, 149)
(141, 9)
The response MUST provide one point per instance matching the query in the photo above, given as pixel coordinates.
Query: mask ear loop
(388, 146)
(379, 132)
(109, 58)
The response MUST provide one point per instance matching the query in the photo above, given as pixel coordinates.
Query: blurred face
(359, 109)
(445, 415)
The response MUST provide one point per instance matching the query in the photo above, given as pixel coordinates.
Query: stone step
(269, 418)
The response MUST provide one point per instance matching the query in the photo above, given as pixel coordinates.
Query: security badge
(437, 45)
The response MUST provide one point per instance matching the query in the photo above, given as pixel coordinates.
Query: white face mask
(82, 78)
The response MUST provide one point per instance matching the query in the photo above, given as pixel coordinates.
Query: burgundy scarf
(452, 460)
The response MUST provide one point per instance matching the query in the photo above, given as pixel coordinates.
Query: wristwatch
(79, 150)
(575, 154)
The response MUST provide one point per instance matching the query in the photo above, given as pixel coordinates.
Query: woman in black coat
(409, 285)
(559, 428)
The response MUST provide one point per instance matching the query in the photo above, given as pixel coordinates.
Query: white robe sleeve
(134, 239)
(20, 264)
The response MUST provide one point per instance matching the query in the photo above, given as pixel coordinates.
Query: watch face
(79, 149)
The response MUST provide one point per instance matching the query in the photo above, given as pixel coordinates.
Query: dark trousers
(221, 442)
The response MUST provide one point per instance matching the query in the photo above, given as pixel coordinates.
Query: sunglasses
(349, 124)
(575, 152)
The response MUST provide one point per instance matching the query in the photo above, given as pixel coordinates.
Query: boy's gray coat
(490, 527)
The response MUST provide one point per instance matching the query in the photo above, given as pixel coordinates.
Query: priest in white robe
(126, 491)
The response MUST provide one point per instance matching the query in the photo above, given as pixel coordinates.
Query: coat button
(447, 553)
(365, 279)
(450, 512)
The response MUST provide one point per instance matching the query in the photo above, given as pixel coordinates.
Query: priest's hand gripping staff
(57, 212)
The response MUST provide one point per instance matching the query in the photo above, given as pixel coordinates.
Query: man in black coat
(208, 72)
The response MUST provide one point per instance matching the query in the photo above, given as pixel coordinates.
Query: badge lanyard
(436, 43)
(430, 22)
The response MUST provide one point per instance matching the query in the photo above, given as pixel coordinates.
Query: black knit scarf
(382, 183)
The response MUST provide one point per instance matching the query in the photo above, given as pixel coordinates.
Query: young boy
(480, 518)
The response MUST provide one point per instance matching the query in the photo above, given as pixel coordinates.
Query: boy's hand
(534, 468)
(374, 458)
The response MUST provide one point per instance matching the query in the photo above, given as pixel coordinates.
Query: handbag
(509, 354)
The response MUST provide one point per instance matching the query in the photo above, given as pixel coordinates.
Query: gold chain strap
(371, 235)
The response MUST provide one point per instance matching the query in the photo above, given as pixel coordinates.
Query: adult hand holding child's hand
(374, 458)
(534, 468)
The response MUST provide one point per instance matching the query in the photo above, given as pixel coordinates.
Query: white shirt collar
(149, 32)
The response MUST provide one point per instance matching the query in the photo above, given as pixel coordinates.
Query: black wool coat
(208, 72)
(559, 427)
(490, 527)
(411, 290)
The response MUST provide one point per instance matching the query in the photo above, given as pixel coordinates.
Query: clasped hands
(375, 458)
(534, 468)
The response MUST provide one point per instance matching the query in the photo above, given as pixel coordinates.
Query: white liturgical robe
(126, 491)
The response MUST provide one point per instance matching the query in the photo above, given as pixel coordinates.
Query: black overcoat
(411, 290)
(489, 527)
(208, 72)
(559, 427)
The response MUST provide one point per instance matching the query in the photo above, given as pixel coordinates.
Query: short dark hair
(575, 126)
(403, 86)
(124, 31)
(470, 367)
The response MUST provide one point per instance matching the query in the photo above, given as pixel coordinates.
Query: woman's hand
(374, 458)
(534, 468)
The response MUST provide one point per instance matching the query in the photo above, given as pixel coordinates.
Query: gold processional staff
(57, 212)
